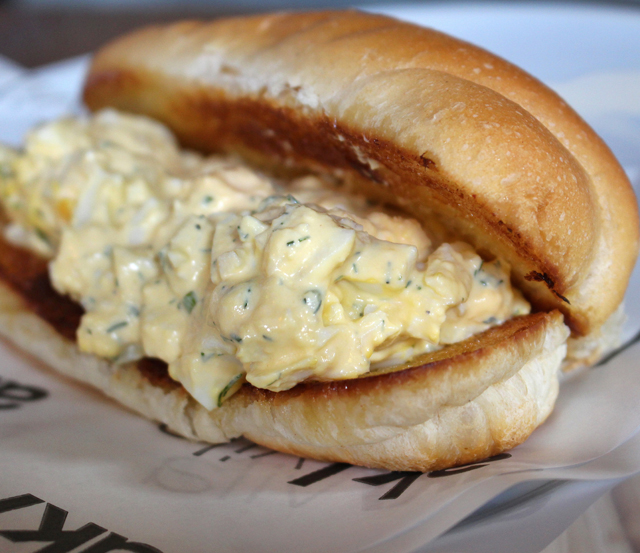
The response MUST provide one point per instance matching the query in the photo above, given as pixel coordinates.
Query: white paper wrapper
(125, 484)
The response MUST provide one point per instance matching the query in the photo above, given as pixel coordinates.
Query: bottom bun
(460, 404)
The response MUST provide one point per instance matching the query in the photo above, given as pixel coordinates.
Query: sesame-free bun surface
(433, 124)
(460, 404)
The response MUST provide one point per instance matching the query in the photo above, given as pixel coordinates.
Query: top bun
(435, 125)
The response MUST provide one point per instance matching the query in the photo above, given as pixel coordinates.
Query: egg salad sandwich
(379, 245)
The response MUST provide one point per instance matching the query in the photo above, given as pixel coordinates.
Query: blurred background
(35, 32)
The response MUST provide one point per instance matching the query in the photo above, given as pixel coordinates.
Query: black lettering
(17, 393)
(454, 470)
(319, 475)
(203, 450)
(18, 502)
(116, 542)
(51, 530)
(466, 468)
(406, 479)
(263, 454)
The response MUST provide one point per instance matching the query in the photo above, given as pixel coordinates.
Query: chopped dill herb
(246, 301)
(228, 387)
(313, 300)
(388, 274)
(43, 236)
(189, 302)
(204, 357)
(275, 379)
(116, 326)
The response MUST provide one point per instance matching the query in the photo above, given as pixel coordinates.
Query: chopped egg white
(225, 275)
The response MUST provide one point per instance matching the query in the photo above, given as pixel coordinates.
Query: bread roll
(435, 126)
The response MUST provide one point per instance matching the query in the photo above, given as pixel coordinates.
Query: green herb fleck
(246, 300)
(189, 302)
(204, 357)
(228, 387)
(388, 275)
(313, 300)
(275, 379)
(267, 338)
(303, 238)
(116, 326)
(43, 236)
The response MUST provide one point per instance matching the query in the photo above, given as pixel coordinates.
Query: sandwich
(379, 245)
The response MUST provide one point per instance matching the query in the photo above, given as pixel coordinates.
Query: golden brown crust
(468, 402)
(439, 127)
(464, 402)
(443, 128)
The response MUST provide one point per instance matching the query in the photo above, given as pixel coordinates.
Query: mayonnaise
(225, 274)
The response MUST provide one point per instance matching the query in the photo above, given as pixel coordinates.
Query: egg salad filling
(229, 276)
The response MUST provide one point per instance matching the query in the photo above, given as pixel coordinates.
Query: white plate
(80, 453)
